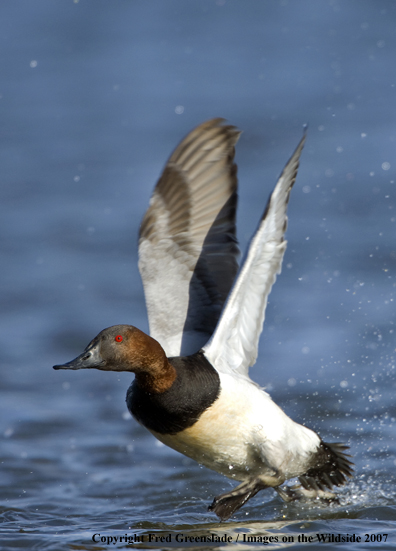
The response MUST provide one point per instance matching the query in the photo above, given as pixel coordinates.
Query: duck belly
(244, 434)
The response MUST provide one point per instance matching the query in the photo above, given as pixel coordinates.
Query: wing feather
(234, 344)
(188, 253)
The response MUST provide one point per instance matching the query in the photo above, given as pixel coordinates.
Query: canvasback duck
(191, 388)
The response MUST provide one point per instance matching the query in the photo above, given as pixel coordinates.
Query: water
(94, 97)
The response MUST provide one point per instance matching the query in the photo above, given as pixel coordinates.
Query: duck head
(126, 348)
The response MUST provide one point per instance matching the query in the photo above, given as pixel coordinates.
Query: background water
(95, 94)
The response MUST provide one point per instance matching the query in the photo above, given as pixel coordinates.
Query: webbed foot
(225, 505)
(297, 492)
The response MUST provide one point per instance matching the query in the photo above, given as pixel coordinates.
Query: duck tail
(330, 467)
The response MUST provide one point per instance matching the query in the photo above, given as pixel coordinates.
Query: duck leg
(287, 494)
(226, 504)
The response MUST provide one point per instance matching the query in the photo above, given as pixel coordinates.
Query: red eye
(118, 338)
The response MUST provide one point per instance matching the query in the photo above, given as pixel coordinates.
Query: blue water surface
(94, 96)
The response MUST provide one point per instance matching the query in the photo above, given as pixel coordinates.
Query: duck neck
(155, 374)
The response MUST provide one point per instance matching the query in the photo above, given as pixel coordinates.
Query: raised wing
(188, 253)
(234, 344)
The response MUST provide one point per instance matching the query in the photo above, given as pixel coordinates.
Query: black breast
(196, 387)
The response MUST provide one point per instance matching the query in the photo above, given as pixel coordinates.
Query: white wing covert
(188, 252)
(234, 344)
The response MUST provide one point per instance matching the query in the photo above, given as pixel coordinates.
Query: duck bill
(89, 359)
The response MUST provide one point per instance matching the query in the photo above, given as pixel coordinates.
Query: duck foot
(287, 494)
(225, 505)
(297, 492)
